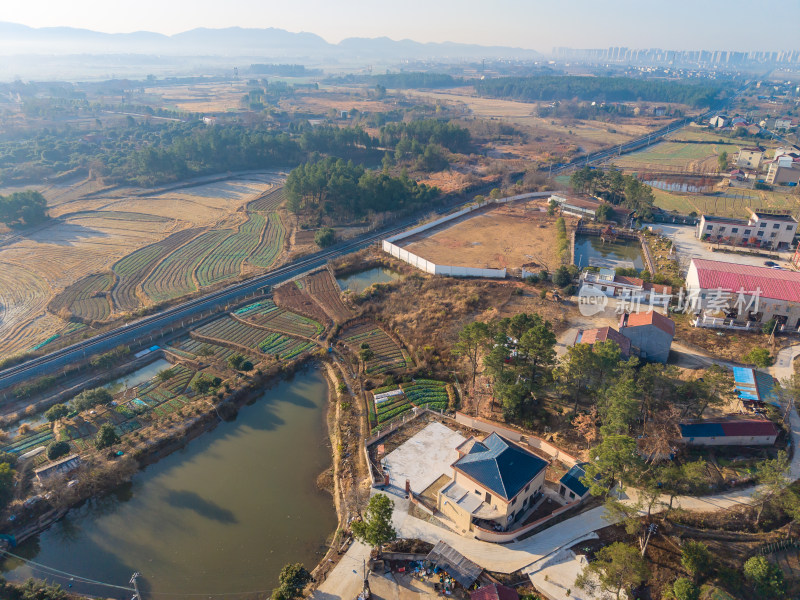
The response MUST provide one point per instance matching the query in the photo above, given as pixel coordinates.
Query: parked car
(770, 263)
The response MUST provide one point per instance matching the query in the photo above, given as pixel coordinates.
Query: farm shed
(755, 388)
(458, 566)
(729, 432)
(494, 591)
(65, 465)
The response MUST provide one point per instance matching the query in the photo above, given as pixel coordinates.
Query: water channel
(591, 251)
(361, 280)
(221, 516)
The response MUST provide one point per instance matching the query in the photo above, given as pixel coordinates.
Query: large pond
(361, 280)
(222, 516)
(591, 251)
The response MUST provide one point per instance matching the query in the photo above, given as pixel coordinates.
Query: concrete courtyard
(423, 458)
(688, 247)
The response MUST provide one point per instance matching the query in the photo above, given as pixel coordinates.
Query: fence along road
(144, 328)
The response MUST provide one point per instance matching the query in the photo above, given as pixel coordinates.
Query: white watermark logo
(591, 301)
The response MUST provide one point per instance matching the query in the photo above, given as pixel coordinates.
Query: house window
(762, 224)
(788, 228)
(513, 502)
(708, 227)
(478, 492)
(563, 490)
(747, 232)
(774, 233)
(488, 498)
(760, 234)
(527, 487)
(776, 226)
(721, 229)
(572, 495)
(734, 230)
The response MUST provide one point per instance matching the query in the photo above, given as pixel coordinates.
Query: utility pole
(137, 594)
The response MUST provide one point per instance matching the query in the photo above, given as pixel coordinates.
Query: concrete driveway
(689, 247)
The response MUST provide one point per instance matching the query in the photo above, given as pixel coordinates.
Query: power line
(71, 576)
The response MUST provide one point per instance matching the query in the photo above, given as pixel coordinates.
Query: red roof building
(650, 334)
(777, 284)
(665, 324)
(603, 334)
(494, 591)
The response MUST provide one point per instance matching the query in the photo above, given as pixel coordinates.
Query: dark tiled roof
(500, 466)
(572, 480)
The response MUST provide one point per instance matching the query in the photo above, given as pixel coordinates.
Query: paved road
(142, 330)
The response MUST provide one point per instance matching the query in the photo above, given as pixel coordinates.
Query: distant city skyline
(531, 24)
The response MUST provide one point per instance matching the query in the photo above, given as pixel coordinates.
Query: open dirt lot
(504, 237)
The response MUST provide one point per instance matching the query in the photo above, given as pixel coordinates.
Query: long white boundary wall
(434, 269)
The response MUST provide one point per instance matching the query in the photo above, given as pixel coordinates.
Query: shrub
(106, 437)
(767, 327)
(57, 450)
(562, 277)
(91, 398)
(165, 374)
(685, 589)
(325, 237)
(695, 558)
(765, 577)
(760, 357)
(205, 383)
(56, 412)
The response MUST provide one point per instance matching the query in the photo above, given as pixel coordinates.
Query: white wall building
(730, 295)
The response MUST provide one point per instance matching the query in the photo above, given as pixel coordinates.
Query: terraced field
(282, 347)
(87, 299)
(388, 355)
(292, 297)
(174, 275)
(322, 287)
(267, 315)
(225, 261)
(269, 201)
(394, 401)
(196, 349)
(271, 244)
(134, 268)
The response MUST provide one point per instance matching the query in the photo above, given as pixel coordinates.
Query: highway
(142, 329)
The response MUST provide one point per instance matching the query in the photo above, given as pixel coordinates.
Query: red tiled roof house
(650, 334)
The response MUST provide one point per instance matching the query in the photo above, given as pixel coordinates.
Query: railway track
(142, 330)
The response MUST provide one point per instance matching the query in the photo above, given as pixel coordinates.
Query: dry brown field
(504, 237)
(88, 235)
(201, 97)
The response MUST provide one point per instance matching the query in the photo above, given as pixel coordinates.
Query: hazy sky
(537, 24)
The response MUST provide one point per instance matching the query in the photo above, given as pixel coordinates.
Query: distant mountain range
(269, 43)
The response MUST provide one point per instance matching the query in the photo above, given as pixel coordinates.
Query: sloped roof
(494, 591)
(629, 280)
(572, 480)
(728, 428)
(658, 288)
(650, 317)
(777, 284)
(602, 334)
(500, 466)
(458, 566)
